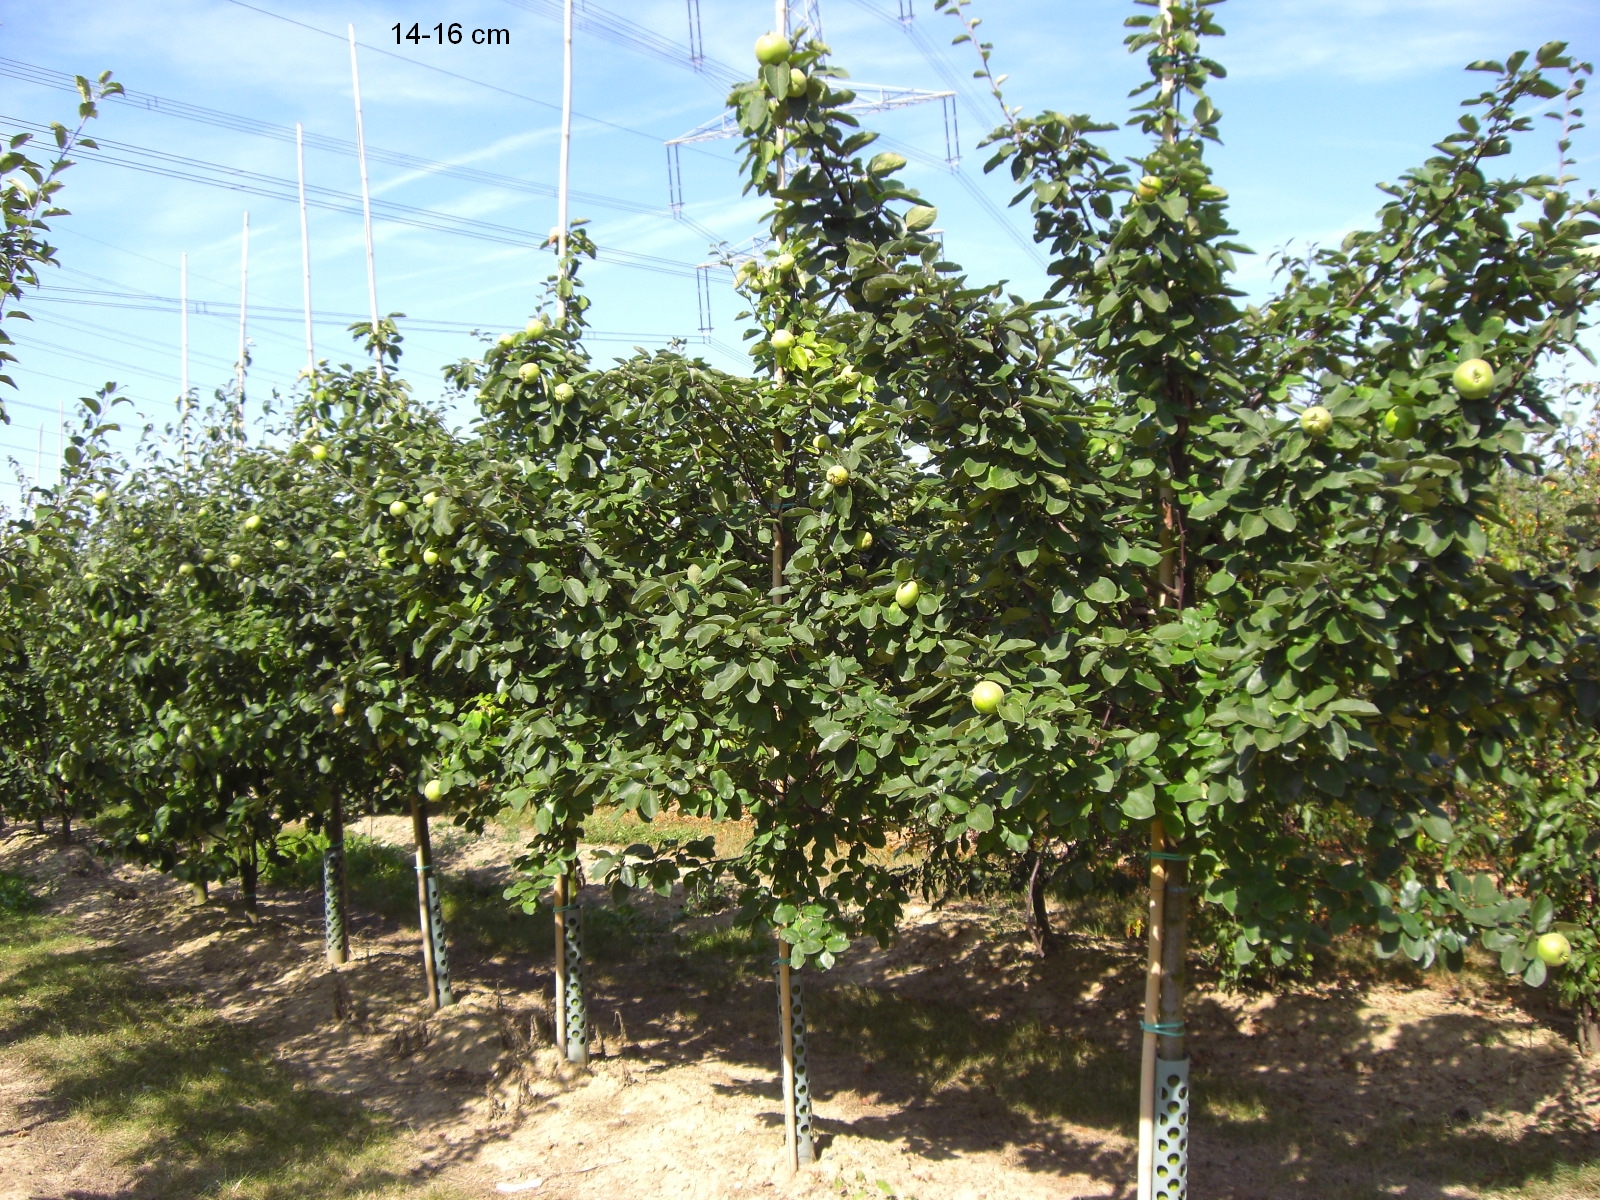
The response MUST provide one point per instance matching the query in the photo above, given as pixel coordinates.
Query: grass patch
(617, 827)
(16, 897)
(189, 1100)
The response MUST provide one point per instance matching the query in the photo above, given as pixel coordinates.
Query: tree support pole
(336, 890)
(797, 1126)
(1155, 927)
(1170, 1159)
(430, 914)
(572, 1007)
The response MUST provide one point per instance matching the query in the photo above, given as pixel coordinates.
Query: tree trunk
(1038, 910)
(249, 875)
(38, 825)
(198, 890)
(1588, 1029)
(66, 827)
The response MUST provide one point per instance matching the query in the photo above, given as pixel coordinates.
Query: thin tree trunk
(249, 875)
(66, 826)
(1038, 910)
(38, 825)
(198, 890)
(1588, 1029)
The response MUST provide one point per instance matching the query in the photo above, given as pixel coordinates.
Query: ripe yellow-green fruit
(1401, 421)
(430, 500)
(252, 523)
(783, 340)
(563, 392)
(102, 497)
(1316, 421)
(433, 789)
(987, 695)
(772, 49)
(283, 544)
(822, 443)
(234, 560)
(1554, 950)
(695, 574)
(784, 263)
(864, 540)
(318, 453)
(207, 554)
(186, 569)
(399, 508)
(1473, 379)
(1149, 187)
(536, 327)
(338, 708)
(430, 556)
(505, 339)
(907, 593)
(797, 83)
(838, 475)
(528, 372)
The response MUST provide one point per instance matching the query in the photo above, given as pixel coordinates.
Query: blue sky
(1324, 99)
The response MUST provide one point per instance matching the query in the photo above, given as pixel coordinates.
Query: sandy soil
(1332, 1084)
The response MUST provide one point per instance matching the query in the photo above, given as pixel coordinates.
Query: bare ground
(953, 1066)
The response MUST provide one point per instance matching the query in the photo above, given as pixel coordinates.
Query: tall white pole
(305, 246)
(38, 460)
(183, 354)
(566, 154)
(244, 297)
(366, 194)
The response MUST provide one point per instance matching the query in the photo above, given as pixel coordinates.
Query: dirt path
(953, 1066)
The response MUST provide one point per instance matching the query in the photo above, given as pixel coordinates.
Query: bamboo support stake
(1155, 925)
(419, 830)
(786, 1048)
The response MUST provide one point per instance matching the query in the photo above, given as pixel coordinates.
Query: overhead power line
(64, 81)
(150, 302)
(254, 183)
(620, 31)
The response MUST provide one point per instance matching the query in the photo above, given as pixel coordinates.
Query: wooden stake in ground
(1155, 926)
(429, 911)
(336, 890)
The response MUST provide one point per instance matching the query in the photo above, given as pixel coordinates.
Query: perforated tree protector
(802, 1077)
(1170, 1176)
(441, 964)
(577, 1009)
